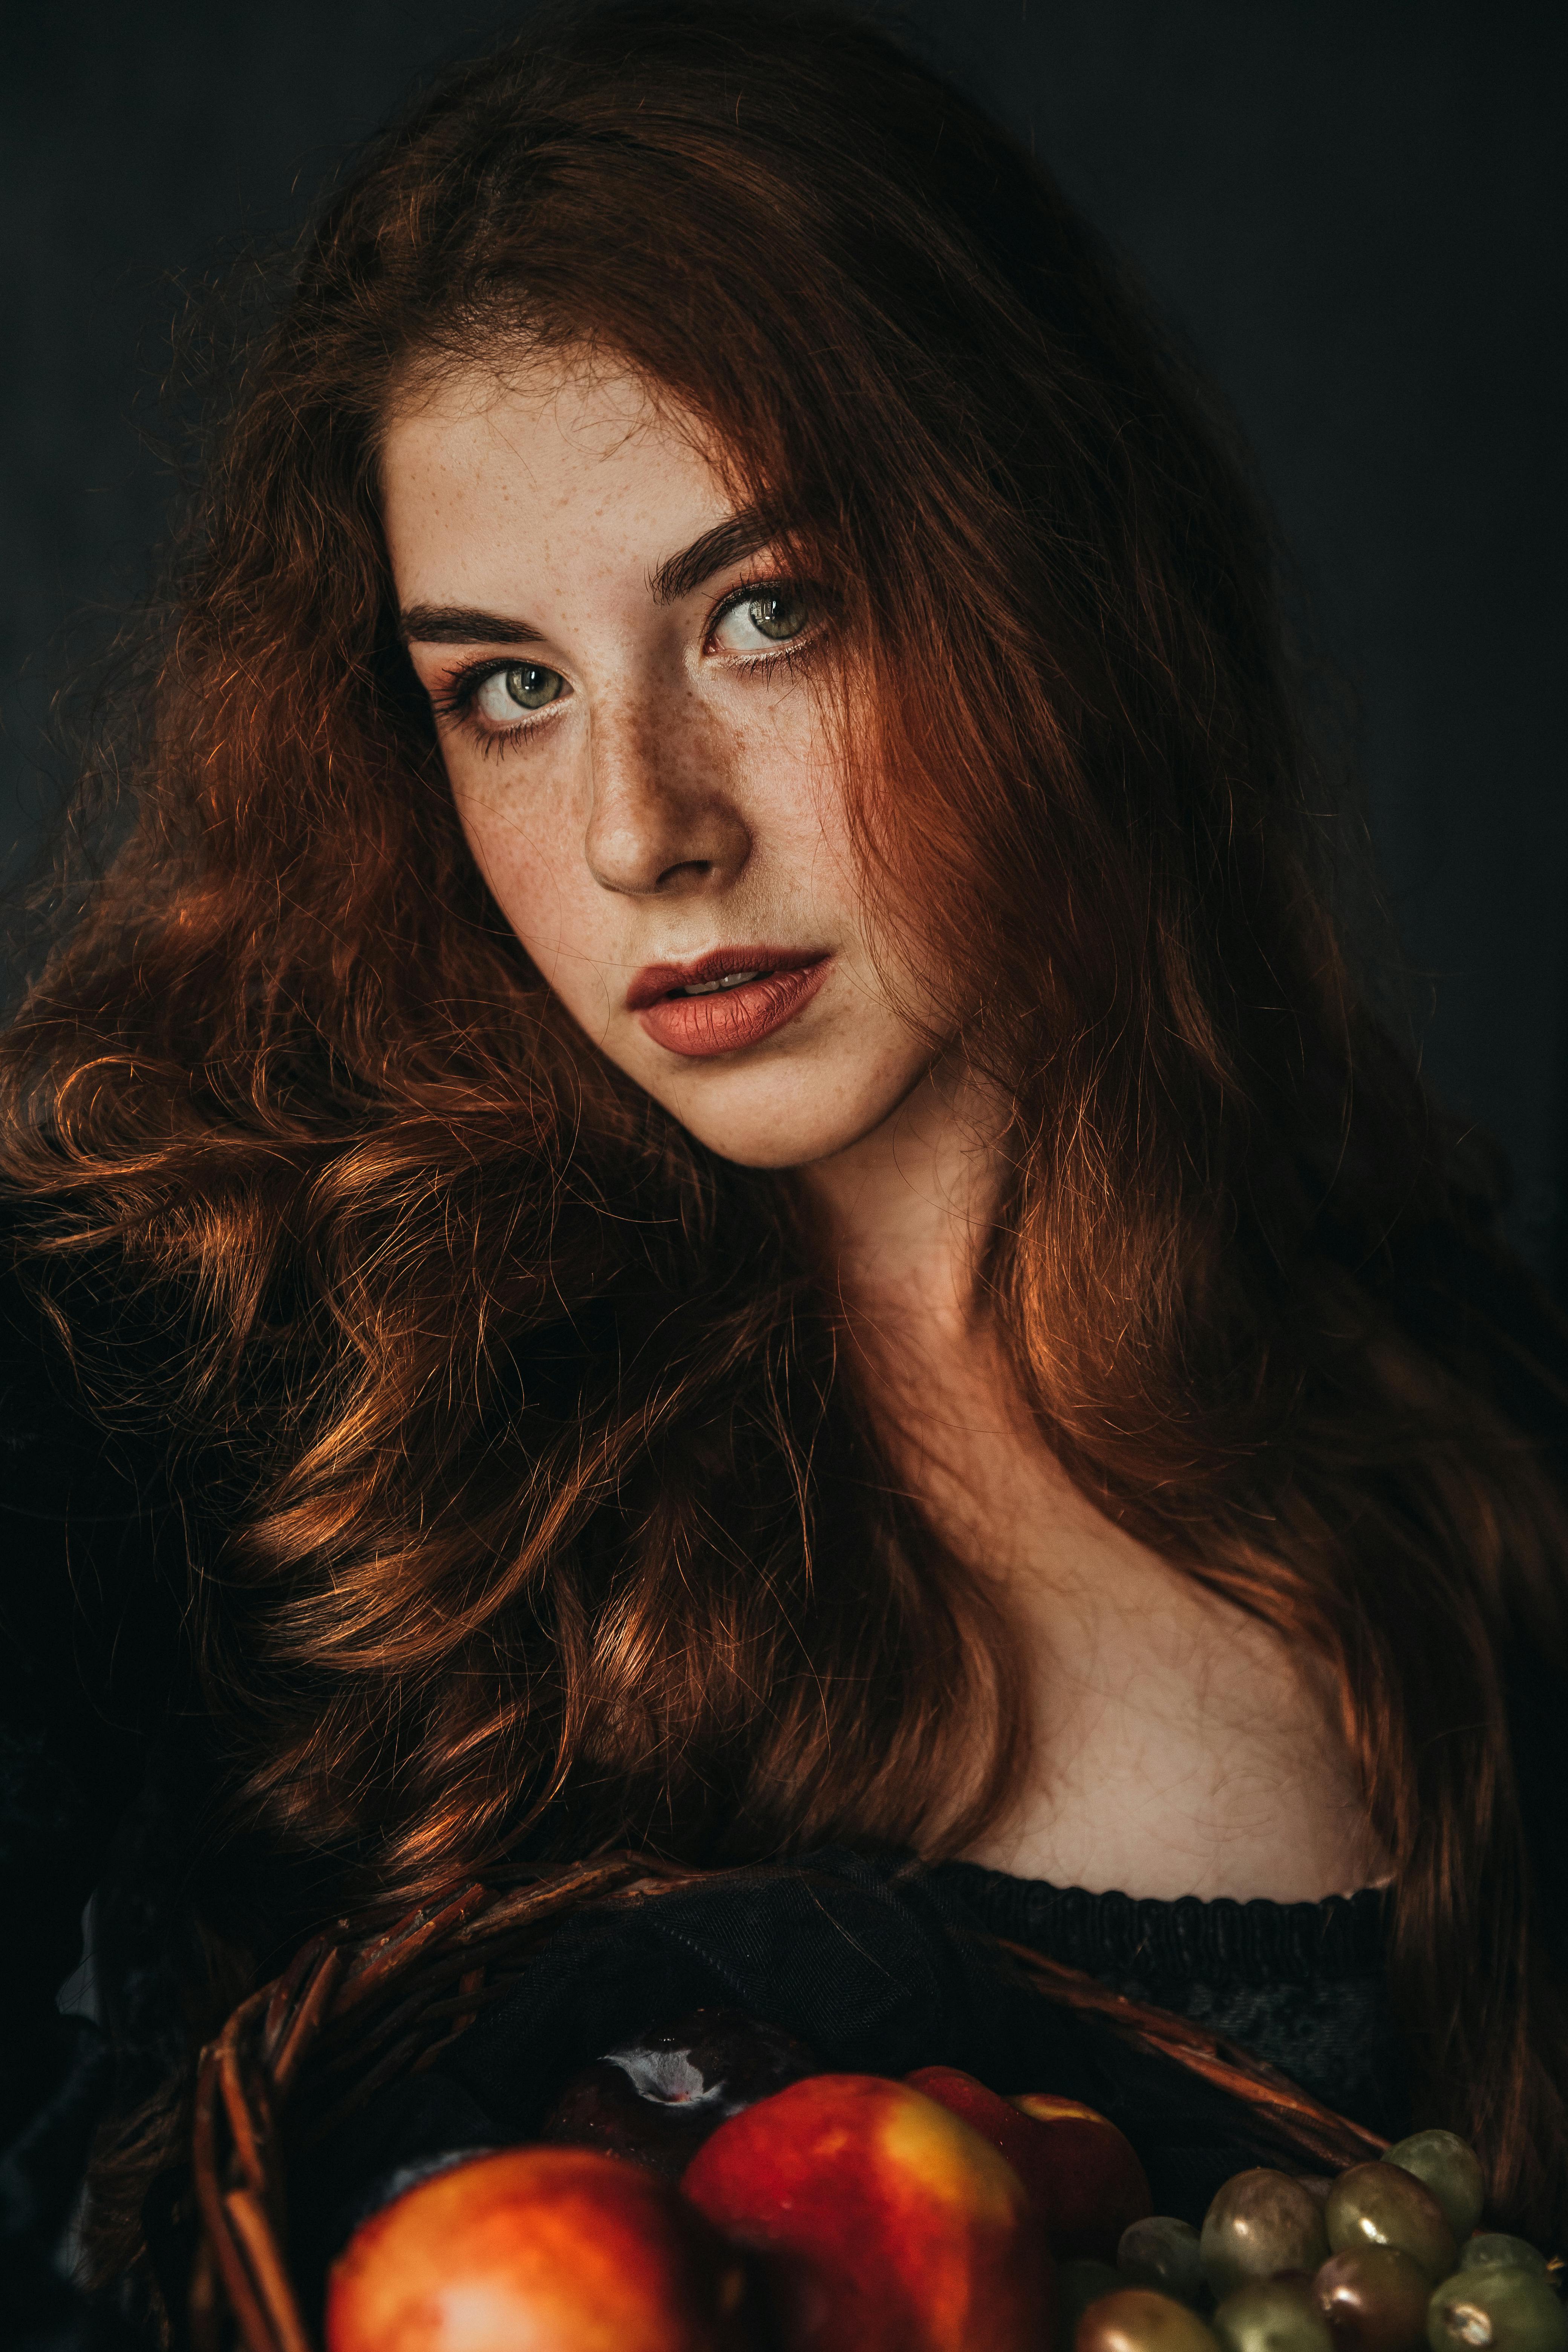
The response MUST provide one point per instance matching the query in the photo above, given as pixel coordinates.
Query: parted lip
(657, 981)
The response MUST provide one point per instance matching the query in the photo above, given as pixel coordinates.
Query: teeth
(712, 987)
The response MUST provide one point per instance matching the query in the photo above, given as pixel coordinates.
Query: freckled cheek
(531, 858)
(794, 778)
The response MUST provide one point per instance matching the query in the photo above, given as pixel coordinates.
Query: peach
(883, 2223)
(545, 2247)
(1086, 2182)
(1086, 2179)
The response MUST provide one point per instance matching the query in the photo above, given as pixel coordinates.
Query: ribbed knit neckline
(1191, 1940)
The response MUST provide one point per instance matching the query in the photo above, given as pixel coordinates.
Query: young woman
(708, 1170)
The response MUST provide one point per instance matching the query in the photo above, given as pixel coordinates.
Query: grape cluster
(1386, 2258)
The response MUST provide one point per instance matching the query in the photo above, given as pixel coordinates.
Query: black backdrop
(1352, 210)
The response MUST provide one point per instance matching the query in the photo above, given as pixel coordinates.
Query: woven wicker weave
(348, 2017)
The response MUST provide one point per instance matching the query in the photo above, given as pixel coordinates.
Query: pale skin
(644, 780)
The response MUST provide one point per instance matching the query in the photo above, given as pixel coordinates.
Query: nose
(663, 820)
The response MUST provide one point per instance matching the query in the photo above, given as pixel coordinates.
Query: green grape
(1450, 2169)
(1136, 2319)
(1080, 2283)
(1382, 2205)
(1495, 2247)
(1275, 2314)
(1164, 2254)
(1490, 2308)
(1374, 2299)
(1261, 2222)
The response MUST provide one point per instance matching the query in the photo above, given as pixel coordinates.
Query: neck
(907, 1211)
(1174, 1745)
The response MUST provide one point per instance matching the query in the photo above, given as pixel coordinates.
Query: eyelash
(456, 698)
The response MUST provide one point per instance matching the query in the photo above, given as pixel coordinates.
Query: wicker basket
(348, 2017)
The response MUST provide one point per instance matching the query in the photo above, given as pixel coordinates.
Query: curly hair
(551, 1514)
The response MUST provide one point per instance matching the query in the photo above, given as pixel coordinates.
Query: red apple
(1082, 2174)
(883, 2222)
(555, 2247)
(1089, 2182)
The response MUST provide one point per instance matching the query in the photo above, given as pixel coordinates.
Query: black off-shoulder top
(1301, 1985)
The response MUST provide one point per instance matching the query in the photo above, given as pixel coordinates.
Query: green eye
(772, 616)
(521, 685)
(530, 685)
(778, 615)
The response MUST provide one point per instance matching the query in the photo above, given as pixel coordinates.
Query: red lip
(729, 1018)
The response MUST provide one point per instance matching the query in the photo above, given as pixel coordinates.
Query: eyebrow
(464, 625)
(728, 543)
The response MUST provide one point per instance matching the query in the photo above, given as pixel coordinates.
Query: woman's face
(629, 693)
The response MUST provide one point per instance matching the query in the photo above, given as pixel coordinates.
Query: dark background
(1350, 206)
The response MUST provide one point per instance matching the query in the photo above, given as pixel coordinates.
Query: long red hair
(552, 1513)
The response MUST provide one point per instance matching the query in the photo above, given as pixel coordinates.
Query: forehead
(558, 457)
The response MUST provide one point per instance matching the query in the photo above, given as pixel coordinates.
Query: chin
(769, 1116)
